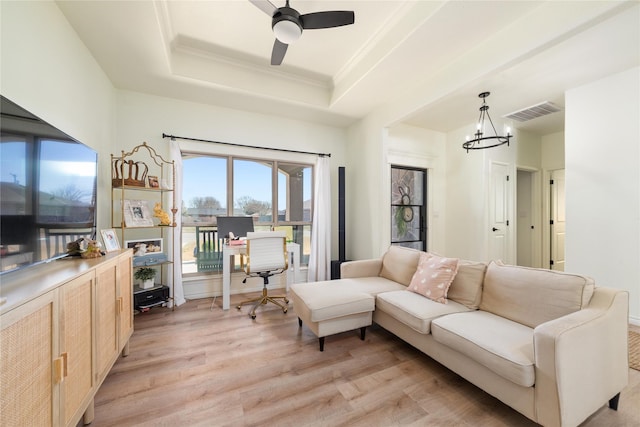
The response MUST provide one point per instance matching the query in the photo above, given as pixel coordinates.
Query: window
(277, 194)
(253, 189)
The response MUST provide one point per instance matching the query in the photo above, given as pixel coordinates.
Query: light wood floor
(200, 367)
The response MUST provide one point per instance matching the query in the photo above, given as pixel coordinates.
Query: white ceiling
(421, 62)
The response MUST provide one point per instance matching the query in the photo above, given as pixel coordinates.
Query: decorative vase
(147, 284)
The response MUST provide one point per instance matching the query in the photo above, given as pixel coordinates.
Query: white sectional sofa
(551, 345)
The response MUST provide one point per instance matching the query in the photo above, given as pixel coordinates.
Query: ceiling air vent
(534, 111)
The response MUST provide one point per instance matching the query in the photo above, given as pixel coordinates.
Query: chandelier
(481, 141)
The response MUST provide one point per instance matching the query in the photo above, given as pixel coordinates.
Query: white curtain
(320, 258)
(178, 290)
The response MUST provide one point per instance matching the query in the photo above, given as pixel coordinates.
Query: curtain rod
(173, 138)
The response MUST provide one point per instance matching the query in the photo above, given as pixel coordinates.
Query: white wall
(528, 150)
(553, 151)
(47, 70)
(466, 194)
(364, 199)
(144, 118)
(602, 142)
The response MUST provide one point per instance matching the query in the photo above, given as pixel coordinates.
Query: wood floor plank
(198, 366)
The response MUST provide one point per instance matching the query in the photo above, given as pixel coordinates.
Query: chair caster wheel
(286, 301)
(253, 316)
(284, 310)
(239, 307)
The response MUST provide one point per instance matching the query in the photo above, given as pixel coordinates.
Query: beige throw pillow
(399, 264)
(434, 276)
(466, 287)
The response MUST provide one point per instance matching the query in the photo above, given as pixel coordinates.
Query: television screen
(48, 189)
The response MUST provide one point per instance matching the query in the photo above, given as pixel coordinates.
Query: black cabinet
(144, 299)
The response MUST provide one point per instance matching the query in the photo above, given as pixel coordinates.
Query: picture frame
(153, 181)
(110, 240)
(144, 246)
(137, 214)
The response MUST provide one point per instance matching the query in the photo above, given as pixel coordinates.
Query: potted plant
(145, 276)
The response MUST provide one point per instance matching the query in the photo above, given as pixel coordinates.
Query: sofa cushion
(433, 276)
(503, 346)
(466, 287)
(532, 296)
(399, 264)
(414, 310)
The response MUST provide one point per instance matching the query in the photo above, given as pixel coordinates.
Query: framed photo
(144, 247)
(110, 240)
(153, 182)
(137, 214)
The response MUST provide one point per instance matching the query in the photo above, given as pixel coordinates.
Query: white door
(558, 219)
(499, 213)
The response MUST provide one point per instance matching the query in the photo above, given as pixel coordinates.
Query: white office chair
(266, 255)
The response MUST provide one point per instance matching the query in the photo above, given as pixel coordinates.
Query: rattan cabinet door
(76, 346)
(107, 306)
(27, 352)
(125, 299)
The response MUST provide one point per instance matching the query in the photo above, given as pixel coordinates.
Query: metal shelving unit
(142, 177)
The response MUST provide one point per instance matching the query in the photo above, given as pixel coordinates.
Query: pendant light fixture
(482, 141)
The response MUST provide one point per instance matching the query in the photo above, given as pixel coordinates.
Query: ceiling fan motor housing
(286, 25)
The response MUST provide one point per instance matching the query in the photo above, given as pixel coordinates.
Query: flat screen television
(47, 189)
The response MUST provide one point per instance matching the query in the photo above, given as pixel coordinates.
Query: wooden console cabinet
(63, 325)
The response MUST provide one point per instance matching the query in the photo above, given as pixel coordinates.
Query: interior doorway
(528, 230)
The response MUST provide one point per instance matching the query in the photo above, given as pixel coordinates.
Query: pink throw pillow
(434, 276)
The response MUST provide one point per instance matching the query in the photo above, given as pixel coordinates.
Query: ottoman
(328, 309)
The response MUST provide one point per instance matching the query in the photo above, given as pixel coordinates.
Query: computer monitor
(238, 225)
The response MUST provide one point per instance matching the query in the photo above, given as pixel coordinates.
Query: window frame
(230, 196)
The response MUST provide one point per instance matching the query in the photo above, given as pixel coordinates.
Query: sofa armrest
(361, 268)
(581, 359)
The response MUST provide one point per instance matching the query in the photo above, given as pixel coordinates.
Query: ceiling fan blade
(335, 18)
(277, 54)
(265, 5)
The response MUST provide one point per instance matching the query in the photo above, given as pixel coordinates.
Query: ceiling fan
(288, 24)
